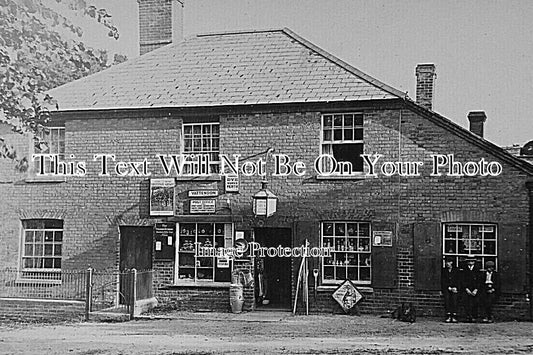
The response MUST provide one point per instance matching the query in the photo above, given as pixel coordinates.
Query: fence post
(88, 292)
(133, 295)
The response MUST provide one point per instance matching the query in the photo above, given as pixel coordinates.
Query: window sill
(357, 176)
(45, 179)
(331, 288)
(198, 284)
(212, 177)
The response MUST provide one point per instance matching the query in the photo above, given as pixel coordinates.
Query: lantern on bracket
(264, 201)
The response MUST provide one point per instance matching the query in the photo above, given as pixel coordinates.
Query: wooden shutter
(384, 270)
(427, 255)
(512, 257)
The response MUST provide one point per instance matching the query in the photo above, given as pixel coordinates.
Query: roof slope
(255, 67)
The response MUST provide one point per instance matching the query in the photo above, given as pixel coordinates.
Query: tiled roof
(255, 67)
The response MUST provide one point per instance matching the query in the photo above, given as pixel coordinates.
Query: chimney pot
(425, 78)
(477, 122)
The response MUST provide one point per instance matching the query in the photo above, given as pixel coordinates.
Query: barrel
(236, 297)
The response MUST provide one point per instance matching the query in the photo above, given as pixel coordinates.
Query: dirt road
(267, 333)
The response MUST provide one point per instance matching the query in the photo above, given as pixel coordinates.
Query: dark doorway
(275, 271)
(135, 253)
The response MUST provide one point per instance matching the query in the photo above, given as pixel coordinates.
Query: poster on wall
(162, 197)
(382, 238)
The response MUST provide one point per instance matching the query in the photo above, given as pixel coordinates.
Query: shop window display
(351, 255)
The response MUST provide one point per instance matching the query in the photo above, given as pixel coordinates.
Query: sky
(482, 50)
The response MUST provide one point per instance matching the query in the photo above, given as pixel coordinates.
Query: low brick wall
(34, 310)
(194, 298)
(429, 304)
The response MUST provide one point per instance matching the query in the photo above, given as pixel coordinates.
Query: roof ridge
(238, 32)
(335, 60)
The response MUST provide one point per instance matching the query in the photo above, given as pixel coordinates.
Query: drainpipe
(529, 185)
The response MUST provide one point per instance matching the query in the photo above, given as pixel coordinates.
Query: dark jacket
(450, 279)
(470, 279)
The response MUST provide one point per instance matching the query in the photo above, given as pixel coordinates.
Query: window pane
(58, 236)
(39, 236)
(48, 249)
(348, 134)
(359, 134)
(58, 250)
(328, 122)
(48, 236)
(57, 263)
(28, 250)
(337, 121)
(53, 224)
(327, 229)
(48, 263)
(337, 134)
(38, 250)
(348, 121)
(358, 120)
(28, 236)
(349, 153)
(327, 135)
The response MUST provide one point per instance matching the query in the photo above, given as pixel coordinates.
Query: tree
(35, 57)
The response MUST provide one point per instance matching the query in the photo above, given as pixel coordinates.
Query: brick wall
(26, 310)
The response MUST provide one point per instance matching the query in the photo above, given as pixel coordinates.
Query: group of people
(476, 290)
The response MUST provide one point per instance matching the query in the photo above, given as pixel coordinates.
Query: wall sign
(232, 183)
(162, 197)
(382, 238)
(203, 193)
(202, 206)
(164, 237)
(347, 295)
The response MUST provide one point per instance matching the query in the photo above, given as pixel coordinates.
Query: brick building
(266, 95)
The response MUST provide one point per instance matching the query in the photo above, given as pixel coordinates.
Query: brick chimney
(160, 23)
(425, 77)
(477, 121)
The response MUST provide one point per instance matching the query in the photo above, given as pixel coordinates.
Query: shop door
(135, 252)
(277, 270)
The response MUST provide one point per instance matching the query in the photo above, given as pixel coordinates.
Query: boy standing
(490, 290)
(470, 285)
(450, 284)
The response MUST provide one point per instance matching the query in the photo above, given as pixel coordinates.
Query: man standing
(490, 290)
(450, 283)
(470, 285)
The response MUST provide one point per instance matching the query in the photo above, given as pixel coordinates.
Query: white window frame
(184, 252)
(458, 229)
(356, 249)
(52, 147)
(43, 272)
(214, 164)
(326, 145)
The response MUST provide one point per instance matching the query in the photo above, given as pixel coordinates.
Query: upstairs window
(342, 138)
(202, 140)
(51, 141)
(42, 244)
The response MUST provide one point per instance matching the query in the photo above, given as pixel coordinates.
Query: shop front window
(351, 256)
(196, 257)
(463, 239)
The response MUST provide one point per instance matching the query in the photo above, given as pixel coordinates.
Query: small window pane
(358, 120)
(48, 236)
(348, 134)
(337, 134)
(348, 121)
(28, 236)
(327, 135)
(358, 134)
(39, 236)
(337, 121)
(58, 236)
